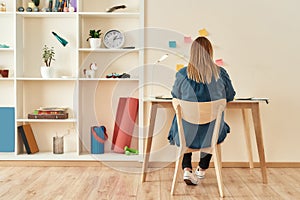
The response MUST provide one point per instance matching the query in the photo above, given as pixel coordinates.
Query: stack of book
(49, 113)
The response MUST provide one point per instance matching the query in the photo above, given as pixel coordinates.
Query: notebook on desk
(252, 99)
(164, 97)
(169, 97)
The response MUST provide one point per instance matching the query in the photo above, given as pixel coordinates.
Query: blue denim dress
(199, 136)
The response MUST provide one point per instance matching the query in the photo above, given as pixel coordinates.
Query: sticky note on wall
(187, 39)
(172, 44)
(203, 32)
(219, 62)
(179, 66)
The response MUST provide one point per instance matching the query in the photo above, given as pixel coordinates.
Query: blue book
(7, 129)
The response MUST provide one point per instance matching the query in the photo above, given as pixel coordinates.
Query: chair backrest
(199, 113)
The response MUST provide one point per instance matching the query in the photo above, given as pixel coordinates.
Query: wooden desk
(244, 106)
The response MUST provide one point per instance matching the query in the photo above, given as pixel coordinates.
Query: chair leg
(218, 169)
(220, 154)
(175, 177)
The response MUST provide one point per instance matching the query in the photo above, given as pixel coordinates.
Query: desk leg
(259, 140)
(153, 111)
(247, 136)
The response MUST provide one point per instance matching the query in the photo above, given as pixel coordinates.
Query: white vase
(95, 43)
(46, 72)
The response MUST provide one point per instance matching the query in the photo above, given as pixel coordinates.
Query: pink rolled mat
(124, 124)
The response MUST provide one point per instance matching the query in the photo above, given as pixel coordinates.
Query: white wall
(259, 43)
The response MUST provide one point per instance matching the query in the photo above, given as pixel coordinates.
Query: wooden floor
(107, 183)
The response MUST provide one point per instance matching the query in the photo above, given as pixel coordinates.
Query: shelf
(73, 15)
(25, 90)
(71, 120)
(6, 13)
(110, 157)
(104, 50)
(39, 156)
(7, 49)
(47, 14)
(108, 79)
(7, 155)
(46, 79)
(110, 15)
(70, 156)
(6, 106)
(6, 79)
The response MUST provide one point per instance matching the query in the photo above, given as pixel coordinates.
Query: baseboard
(257, 164)
(35, 163)
(236, 164)
(22, 163)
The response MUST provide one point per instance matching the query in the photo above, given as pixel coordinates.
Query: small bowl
(4, 73)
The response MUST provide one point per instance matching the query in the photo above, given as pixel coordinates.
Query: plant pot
(95, 43)
(47, 72)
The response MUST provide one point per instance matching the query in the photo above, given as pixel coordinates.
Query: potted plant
(94, 39)
(48, 57)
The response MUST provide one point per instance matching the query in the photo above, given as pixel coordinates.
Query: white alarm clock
(113, 39)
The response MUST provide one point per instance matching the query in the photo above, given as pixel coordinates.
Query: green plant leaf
(48, 55)
(94, 34)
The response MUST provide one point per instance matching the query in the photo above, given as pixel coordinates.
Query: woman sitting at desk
(201, 81)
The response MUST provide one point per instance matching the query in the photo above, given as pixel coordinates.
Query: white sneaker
(199, 173)
(190, 178)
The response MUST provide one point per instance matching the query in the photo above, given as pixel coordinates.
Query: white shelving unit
(91, 101)
(7, 85)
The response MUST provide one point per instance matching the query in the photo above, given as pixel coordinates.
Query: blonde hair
(201, 67)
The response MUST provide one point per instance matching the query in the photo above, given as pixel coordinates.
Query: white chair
(199, 113)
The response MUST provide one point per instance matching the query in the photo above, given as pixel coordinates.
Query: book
(7, 129)
(50, 110)
(48, 116)
(28, 138)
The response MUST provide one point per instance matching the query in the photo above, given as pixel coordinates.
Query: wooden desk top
(231, 104)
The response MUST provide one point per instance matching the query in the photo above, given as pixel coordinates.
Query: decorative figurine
(35, 9)
(21, 9)
(28, 9)
(31, 5)
(116, 75)
(71, 8)
(36, 3)
(90, 73)
(2, 7)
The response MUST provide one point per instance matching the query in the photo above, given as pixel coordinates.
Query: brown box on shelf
(48, 116)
